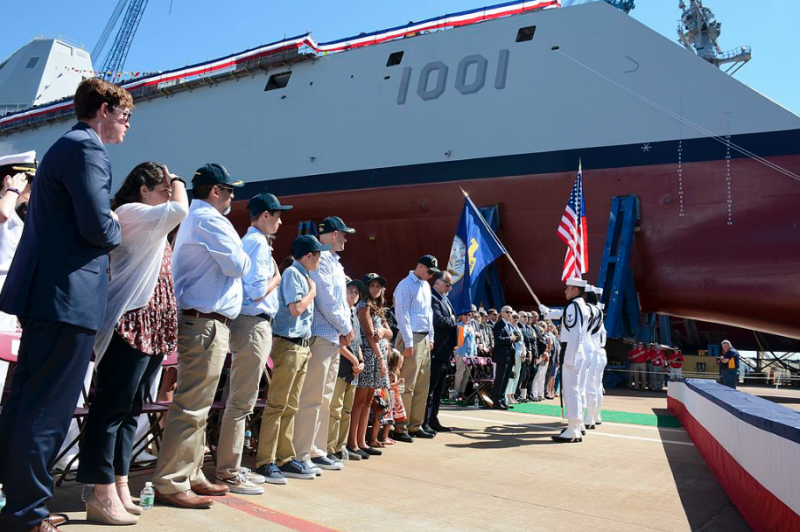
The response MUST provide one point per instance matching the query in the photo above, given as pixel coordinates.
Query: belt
(421, 332)
(302, 342)
(265, 316)
(207, 316)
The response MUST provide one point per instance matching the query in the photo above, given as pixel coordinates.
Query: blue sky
(198, 30)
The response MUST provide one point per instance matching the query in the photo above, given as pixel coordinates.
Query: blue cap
(373, 277)
(334, 223)
(431, 262)
(265, 202)
(305, 244)
(214, 174)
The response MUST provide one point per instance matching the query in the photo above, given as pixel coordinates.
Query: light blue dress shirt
(261, 272)
(294, 286)
(208, 263)
(331, 311)
(412, 304)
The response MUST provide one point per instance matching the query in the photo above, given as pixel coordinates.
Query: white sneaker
(313, 467)
(255, 478)
(240, 484)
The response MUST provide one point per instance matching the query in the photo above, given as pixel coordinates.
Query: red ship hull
(736, 263)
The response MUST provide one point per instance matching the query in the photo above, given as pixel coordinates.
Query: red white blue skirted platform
(751, 445)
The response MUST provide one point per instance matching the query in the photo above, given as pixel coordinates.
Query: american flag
(572, 230)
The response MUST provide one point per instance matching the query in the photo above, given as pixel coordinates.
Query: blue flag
(475, 246)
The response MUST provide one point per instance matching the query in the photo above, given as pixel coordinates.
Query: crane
(115, 58)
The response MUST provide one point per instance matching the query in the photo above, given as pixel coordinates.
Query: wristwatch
(177, 179)
(12, 189)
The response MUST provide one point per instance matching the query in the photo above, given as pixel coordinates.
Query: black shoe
(372, 451)
(427, 428)
(560, 439)
(403, 437)
(504, 406)
(440, 428)
(357, 453)
(422, 434)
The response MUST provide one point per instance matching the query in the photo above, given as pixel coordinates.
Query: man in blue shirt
(412, 302)
(251, 341)
(208, 265)
(330, 329)
(276, 458)
(729, 364)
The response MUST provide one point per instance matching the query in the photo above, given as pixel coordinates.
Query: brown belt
(206, 316)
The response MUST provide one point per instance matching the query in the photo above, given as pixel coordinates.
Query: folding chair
(149, 431)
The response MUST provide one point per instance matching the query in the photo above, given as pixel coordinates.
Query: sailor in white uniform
(602, 359)
(592, 357)
(574, 329)
(16, 172)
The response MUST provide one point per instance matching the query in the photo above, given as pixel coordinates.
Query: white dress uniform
(574, 330)
(10, 233)
(589, 389)
(602, 362)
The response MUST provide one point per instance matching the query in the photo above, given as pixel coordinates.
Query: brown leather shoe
(59, 519)
(183, 499)
(45, 526)
(210, 490)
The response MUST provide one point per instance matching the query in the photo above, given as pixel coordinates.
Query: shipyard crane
(698, 32)
(115, 58)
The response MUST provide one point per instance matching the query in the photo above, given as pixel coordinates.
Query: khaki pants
(417, 374)
(251, 341)
(462, 374)
(290, 362)
(339, 424)
(202, 348)
(639, 375)
(313, 414)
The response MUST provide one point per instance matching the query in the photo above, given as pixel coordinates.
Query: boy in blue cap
(276, 458)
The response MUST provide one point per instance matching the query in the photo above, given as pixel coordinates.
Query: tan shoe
(97, 513)
(210, 490)
(183, 499)
(45, 526)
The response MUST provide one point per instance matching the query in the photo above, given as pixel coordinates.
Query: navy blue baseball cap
(334, 223)
(358, 284)
(305, 244)
(265, 202)
(431, 262)
(214, 174)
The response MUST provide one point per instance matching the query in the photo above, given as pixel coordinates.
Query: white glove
(543, 310)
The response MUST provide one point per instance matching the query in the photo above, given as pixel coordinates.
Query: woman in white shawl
(140, 328)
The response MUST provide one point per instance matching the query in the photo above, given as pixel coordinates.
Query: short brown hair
(93, 92)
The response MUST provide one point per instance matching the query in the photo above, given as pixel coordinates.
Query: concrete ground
(497, 471)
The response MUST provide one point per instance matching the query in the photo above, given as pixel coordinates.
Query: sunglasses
(447, 283)
(124, 113)
(223, 187)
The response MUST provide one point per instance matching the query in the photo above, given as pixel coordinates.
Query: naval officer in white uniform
(16, 171)
(592, 388)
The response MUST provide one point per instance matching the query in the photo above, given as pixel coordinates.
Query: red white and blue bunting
(217, 66)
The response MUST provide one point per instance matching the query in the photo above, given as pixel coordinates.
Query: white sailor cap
(21, 162)
(598, 290)
(574, 281)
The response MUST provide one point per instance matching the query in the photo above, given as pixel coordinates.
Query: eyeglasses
(447, 283)
(125, 113)
(223, 187)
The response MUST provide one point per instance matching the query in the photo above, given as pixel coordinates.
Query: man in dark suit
(445, 328)
(58, 286)
(503, 357)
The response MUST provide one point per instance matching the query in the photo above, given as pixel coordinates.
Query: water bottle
(248, 439)
(85, 491)
(148, 497)
(2, 498)
(477, 403)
